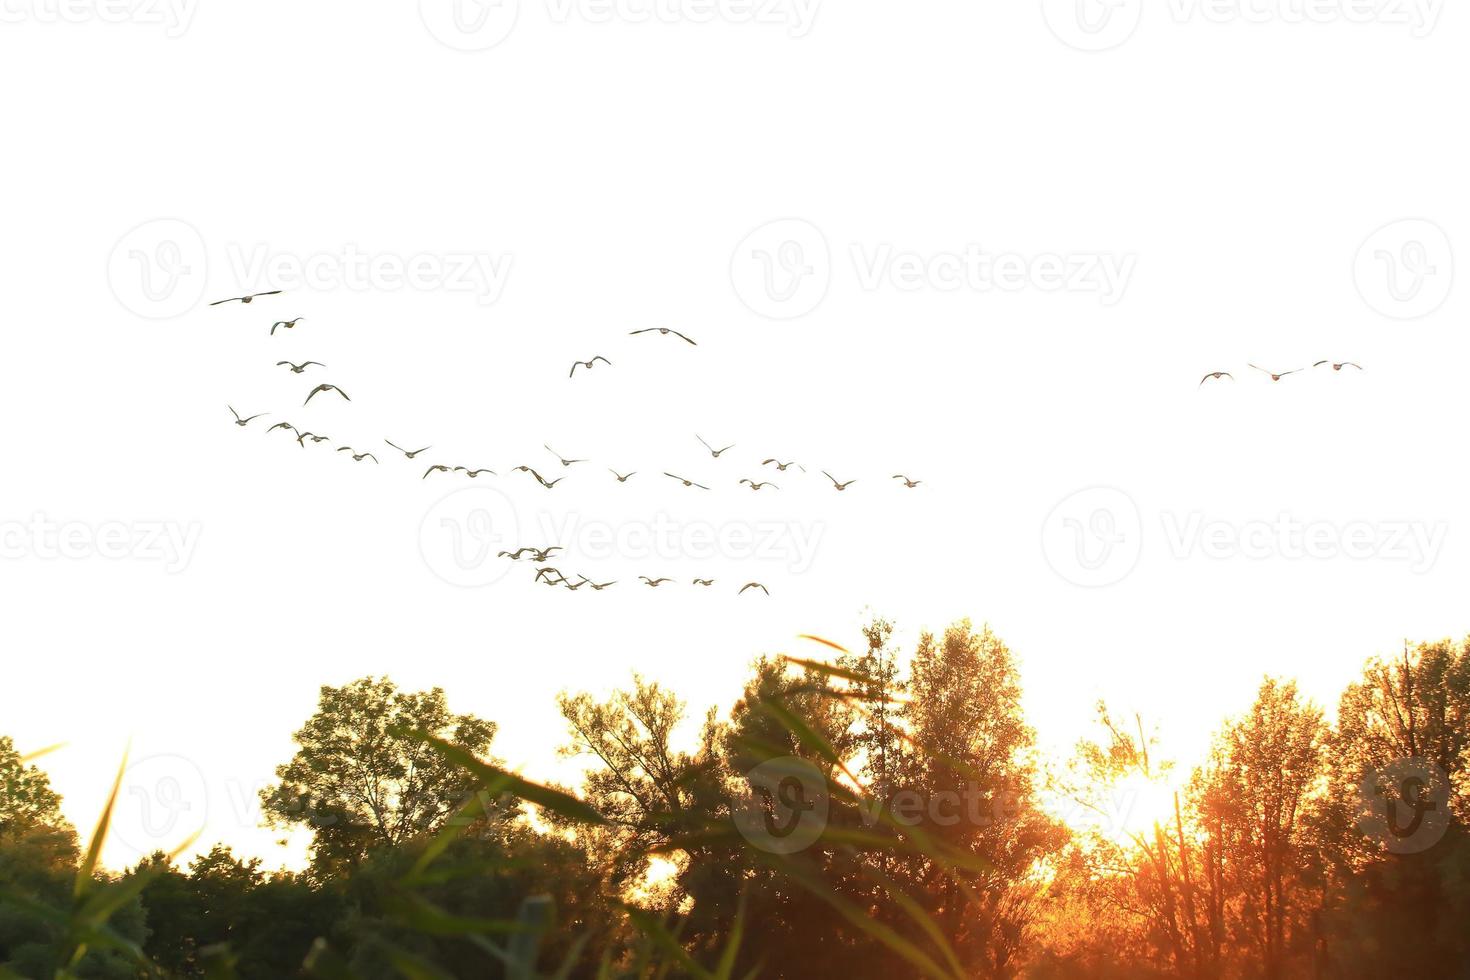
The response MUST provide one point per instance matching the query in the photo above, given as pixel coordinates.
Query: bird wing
(682, 337)
(230, 300)
(634, 333)
(1258, 368)
(599, 357)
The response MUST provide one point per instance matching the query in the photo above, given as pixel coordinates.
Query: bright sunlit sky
(1251, 180)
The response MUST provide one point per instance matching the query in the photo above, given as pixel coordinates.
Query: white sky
(1235, 168)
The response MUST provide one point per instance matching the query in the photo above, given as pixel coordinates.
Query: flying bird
(405, 452)
(244, 422)
(539, 478)
(538, 555)
(244, 299)
(436, 469)
(357, 457)
(321, 388)
(621, 477)
(706, 582)
(716, 453)
(664, 331)
(473, 473)
(906, 481)
(298, 368)
(687, 483)
(546, 573)
(564, 461)
(588, 364)
(1216, 376)
(753, 585)
(1273, 374)
(599, 588)
(781, 467)
(839, 486)
(654, 583)
(288, 324)
(1338, 367)
(301, 437)
(284, 425)
(757, 486)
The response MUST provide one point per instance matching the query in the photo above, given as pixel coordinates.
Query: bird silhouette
(357, 457)
(321, 388)
(284, 425)
(588, 364)
(906, 481)
(472, 474)
(301, 437)
(288, 324)
(706, 582)
(758, 486)
(687, 483)
(546, 573)
(1338, 367)
(1216, 376)
(716, 453)
(654, 583)
(437, 468)
(405, 452)
(244, 422)
(574, 588)
(665, 331)
(1274, 375)
(753, 585)
(781, 467)
(564, 461)
(244, 299)
(839, 486)
(621, 477)
(298, 368)
(604, 585)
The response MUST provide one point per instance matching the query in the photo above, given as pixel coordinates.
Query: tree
(360, 779)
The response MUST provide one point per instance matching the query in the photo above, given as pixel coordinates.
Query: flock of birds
(1278, 375)
(546, 575)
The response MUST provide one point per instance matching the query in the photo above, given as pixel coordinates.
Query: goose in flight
(753, 585)
(564, 461)
(1338, 367)
(906, 481)
(1216, 376)
(706, 582)
(539, 478)
(654, 583)
(284, 425)
(687, 483)
(544, 574)
(588, 364)
(245, 299)
(574, 588)
(244, 422)
(301, 437)
(839, 486)
(538, 555)
(472, 474)
(288, 324)
(437, 468)
(1274, 375)
(604, 585)
(781, 467)
(663, 331)
(621, 477)
(357, 457)
(405, 452)
(757, 486)
(716, 453)
(321, 388)
(298, 368)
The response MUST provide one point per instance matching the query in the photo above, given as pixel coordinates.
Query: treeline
(871, 813)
